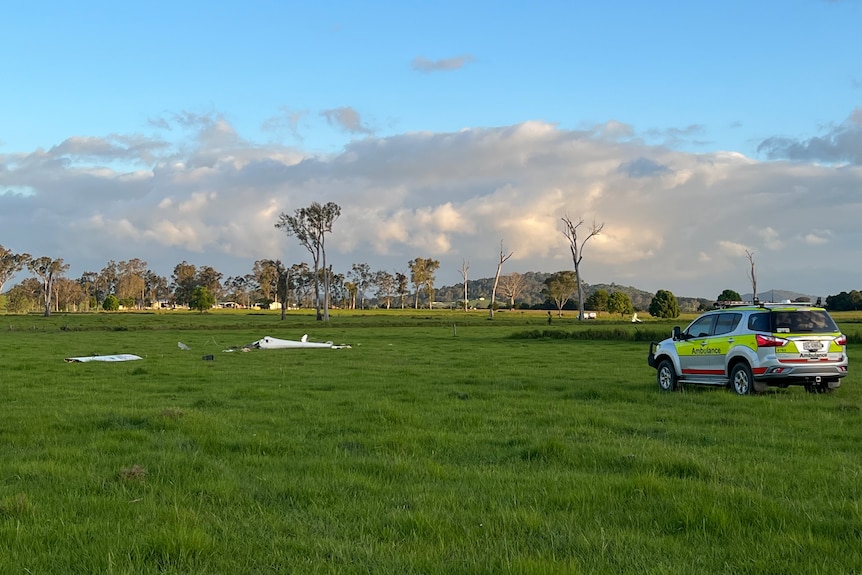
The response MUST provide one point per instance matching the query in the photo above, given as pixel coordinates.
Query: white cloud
(672, 220)
(817, 237)
(770, 238)
(733, 248)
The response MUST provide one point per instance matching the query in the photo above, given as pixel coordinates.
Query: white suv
(752, 346)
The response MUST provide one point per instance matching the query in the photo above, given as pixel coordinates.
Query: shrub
(664, 304)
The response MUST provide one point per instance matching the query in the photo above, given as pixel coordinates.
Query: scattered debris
(183, 346)
(111, 358)
(276, 343)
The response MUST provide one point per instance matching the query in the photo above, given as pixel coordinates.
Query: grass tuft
(134, 474)
(15, 506)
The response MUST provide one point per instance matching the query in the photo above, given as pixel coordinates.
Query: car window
(702, 326)
(802, 321)
(759, 322)
(726, 323)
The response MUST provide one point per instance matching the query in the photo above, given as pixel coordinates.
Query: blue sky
(693, 130)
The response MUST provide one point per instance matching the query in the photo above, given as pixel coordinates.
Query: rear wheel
(741, 380)
(666, 376)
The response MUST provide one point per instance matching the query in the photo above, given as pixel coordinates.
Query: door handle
(703, 343)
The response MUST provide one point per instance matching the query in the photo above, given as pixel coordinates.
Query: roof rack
(720, 304)
(772, 304)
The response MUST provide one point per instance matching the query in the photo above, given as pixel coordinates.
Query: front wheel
(666, 376)
(741, 380)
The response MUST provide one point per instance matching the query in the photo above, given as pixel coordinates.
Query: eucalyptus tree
(309, 226)
(401, 285)
(131, 281)
(362, 278)
(422, 276)
(183, 281)
(69, 295)
(337, 288)
(299, 282)
(266, 274)
(239, 288)
(282, 278)
(106, 281)
(210, 278)
(48, 270)
(23, 296)
(386, 285)
(560, 287)
(89, 282)
(156, 287)
(577, 248)
(10, 264)
(352, 289)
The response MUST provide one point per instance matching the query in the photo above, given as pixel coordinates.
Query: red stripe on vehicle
(758, 370)
(704, 371)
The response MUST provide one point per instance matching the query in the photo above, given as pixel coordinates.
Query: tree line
(133, 285)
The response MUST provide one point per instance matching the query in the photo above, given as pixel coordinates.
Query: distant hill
(533, 282)
(777, 295)
(531, 293)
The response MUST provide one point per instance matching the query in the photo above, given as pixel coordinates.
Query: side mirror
(677, 333)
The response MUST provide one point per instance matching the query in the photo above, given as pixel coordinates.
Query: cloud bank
(197, 191)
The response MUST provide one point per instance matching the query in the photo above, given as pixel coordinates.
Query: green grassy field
(438, 443)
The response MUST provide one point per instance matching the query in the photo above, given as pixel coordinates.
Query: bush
(18, 301)
(664, 304)
(729, 295)
(111, 303)
(201, 299)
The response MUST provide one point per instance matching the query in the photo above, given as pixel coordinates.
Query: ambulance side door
(722, 340)
(692, 348)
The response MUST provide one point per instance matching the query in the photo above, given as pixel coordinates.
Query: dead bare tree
(511, 285)
(465, 265)
(503, 258)
(577, 249)
(752, 275)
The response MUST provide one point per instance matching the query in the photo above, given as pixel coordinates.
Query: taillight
(769, 341)
(841, 339)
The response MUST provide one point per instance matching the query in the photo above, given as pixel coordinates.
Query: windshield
(802, 321)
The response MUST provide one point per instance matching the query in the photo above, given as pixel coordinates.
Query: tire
(666, 376)
(741, 380)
